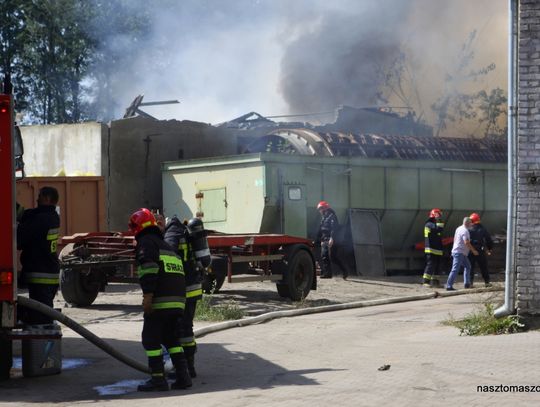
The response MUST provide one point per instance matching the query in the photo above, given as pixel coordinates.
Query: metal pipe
(509, 292)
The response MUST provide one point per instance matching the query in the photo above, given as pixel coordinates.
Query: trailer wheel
(298, 277)
(77, 288)
(214, 277)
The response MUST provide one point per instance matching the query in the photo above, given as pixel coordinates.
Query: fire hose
(85, 333)
(100, 343)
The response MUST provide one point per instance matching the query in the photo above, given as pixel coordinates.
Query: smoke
(349, 58)
(223, 59)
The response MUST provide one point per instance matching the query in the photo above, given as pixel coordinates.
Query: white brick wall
(528, 195)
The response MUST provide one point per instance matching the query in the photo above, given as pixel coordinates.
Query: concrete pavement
(322, 359)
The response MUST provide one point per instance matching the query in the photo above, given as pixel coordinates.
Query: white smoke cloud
(224, 59)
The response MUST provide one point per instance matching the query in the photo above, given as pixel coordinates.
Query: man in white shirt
(460, 251)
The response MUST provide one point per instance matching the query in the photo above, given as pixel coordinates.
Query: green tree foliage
(13, 18)
(56, 56)
(64, 55)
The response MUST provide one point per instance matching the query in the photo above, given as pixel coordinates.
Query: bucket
(42, 357)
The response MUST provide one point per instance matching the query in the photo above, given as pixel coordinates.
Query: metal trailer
(91, 260)
(384, 201)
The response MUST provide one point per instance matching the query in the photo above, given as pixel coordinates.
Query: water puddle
(67, 363)
(119, 388)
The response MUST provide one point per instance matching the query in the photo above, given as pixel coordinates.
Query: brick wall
(528, 191)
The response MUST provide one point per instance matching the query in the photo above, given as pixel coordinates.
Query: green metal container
(278, 193)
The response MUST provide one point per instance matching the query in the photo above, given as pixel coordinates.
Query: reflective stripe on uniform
(183, 247)
(202, 253)
(41, 278)
(188, 344)
(52, 234)
(168, 302)
(426, 232)
(169, 305)
(440, 225)
(433, 251)
(154, 352)
(194, 293)
(427, 277)
(176, 349)
(193, 287)
(147, 268)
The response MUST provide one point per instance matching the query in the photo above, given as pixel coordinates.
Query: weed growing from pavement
(207, 311)
(483, 322)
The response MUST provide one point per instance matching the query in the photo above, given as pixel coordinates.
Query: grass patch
(483, 322)
(208, 311)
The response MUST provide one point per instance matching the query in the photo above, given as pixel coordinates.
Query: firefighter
(325, 235)
(482, 242)
(433, 248)
(37, 237)
(161, 275)
(185, 237)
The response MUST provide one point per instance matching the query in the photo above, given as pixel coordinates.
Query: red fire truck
(10, 162)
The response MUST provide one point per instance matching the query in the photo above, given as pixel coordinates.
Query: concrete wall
(528, 192)
(65, 149)
(137, 148)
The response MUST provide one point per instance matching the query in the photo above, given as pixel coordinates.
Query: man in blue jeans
(460, 251)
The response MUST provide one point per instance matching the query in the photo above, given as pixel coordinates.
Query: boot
(183, 379)
(156, 383)
(191, 366)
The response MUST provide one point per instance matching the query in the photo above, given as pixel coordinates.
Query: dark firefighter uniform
(329, 224)
(482, 242)
(433, 248)
(161, 276)
(37, 237)
(177, 236)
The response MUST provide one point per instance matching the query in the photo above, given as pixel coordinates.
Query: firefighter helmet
(141, 219)
(475, 218)
(435, 213)
(323, 205)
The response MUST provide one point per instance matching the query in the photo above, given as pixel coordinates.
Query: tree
(55, 56)
(12, 15)
(493, 110)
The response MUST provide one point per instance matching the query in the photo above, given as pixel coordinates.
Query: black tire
(283, 290)
(214, 277)
(298, 277)
(77, 288)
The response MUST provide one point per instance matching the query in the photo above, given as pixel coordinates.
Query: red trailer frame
(90, 260)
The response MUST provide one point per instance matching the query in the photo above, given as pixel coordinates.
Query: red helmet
(475, 218)
(323, 205)
(140, 220)
(435, 213)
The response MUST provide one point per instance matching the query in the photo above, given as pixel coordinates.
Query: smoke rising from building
(223, 59)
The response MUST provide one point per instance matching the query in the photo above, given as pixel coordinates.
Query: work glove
(147, 303)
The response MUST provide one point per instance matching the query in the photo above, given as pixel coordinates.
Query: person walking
(325, 235)
(482, 242)
(433, 246)
(161, 276)
(37, 238)
(460, 250)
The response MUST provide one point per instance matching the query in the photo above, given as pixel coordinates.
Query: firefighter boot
(191, 365)
(156, 383)
(183, 380)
